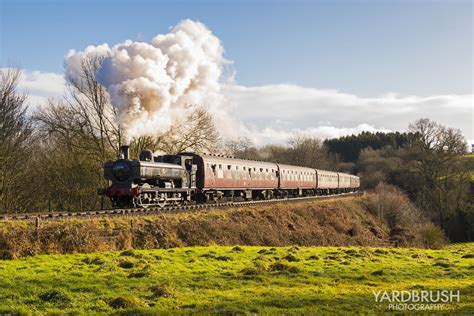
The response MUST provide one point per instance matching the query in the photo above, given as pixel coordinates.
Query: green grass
(228, 280)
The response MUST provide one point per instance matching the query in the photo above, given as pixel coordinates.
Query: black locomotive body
(150, 180)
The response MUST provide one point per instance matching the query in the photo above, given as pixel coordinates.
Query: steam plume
(152, 84)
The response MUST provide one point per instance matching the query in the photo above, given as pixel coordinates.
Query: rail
(167, 209)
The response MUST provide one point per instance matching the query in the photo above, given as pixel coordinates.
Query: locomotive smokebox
(124, 151)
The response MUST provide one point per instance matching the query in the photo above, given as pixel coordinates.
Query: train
(190, 177)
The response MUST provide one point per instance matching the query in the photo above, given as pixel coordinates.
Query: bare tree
(85, 118)
(243, 148)
(15, 139)
(78, 134)
(309, 152)
(197, 133)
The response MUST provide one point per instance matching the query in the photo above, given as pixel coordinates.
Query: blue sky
(321, 56)
(362, 47)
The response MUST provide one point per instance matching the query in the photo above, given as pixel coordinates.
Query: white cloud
(273, 112)
(40, 86)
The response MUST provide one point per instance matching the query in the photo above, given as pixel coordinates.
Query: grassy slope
(222, 279)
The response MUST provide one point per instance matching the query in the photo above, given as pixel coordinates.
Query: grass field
(231, 280)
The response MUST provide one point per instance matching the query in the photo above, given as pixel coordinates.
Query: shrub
(393, 208)
(432, 236)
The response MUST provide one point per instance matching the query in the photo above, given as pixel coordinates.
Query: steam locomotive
(199, 178)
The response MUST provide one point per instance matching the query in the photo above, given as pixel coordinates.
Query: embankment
(339, 221)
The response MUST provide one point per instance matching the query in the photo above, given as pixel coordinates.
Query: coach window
(220, 166)
(213, 167)
(229, 166)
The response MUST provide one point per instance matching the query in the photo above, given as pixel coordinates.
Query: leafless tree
(310, 152)
(197, 133)
(242, 148)
(15, 139)
(85, 118)
(78, 133)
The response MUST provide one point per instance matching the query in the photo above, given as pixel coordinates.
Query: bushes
(407, 224)
(393, 208)
(432, 236)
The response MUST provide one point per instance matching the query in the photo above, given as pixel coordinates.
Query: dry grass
(322, 223)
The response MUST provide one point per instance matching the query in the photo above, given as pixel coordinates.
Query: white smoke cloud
(153, 84)
(73, 59)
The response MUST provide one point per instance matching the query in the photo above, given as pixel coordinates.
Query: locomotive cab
(184, 161)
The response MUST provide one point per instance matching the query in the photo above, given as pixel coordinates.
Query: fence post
(131, 232)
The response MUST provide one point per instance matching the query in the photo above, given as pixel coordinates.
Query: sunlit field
(232, 280)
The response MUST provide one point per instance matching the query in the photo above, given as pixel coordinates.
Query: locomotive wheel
(140, 203)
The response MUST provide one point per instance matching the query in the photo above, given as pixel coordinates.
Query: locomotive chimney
(124, 151)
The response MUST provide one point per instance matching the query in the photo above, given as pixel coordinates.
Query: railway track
(167, 209)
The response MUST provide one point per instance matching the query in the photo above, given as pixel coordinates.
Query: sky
(324, 68)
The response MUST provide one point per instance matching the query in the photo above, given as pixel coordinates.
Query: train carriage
(300, 179)
(354, 182)
(229, 176)
(344, 182)
(328, 181)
